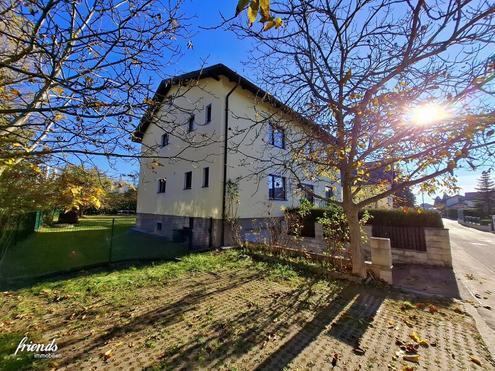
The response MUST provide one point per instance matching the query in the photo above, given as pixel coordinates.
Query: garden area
(227, 310)
(93, 241)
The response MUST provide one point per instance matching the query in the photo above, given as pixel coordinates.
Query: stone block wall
(316, 244)
(484, 228)
(437, 252)
(381, 258)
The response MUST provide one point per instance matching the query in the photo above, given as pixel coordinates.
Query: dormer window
(276, 136)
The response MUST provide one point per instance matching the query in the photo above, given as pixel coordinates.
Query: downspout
(225, 148)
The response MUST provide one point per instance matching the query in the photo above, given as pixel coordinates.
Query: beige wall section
(246, 143)
(251, 159)
(198, 201)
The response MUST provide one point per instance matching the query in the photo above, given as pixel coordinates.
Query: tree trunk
(358, 266)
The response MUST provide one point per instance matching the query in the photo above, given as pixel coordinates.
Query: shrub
(68, 217)
(391, 217)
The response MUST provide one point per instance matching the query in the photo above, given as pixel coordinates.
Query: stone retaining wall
(484, 228)
(437, 252)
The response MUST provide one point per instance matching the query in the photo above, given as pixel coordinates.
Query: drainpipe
(225, 148)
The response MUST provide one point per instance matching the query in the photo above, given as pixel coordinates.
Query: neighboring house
(230, 143)
(120, 186)
(455, 202)
(427, 206)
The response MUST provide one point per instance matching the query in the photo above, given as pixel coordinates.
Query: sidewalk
(424, 280)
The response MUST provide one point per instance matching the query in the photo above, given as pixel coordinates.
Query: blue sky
(220, 46)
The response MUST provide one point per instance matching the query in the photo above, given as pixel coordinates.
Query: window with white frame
(276, 187)
(276, 136)
(162, 185)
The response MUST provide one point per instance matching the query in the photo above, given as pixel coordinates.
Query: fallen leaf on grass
(107, 354)
(407, 305)
(410, 348)
(411, 358)
(409, 323)
(476, 361)
(391, 324)
(418, 339)
(432, 309)
(335, 359)
(359, 351)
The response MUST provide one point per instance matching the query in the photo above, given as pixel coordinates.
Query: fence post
(111, 242)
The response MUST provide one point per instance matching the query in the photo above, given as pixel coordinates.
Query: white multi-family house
(216, 147)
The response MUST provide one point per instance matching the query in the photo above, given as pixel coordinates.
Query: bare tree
(76, 75)
(402, 86)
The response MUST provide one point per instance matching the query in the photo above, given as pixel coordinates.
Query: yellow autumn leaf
(58, 90)
(278, 22)
(265, 10)
(268, 25)
(253, 11)
(58, 116)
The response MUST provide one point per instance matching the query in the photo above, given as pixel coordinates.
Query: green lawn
(57, 249)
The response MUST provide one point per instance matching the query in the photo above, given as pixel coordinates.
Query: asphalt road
(473, 258)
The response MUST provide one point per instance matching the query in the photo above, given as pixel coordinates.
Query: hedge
(389, 217)
(405, 218)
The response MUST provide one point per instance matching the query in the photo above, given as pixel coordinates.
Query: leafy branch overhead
(259, 8)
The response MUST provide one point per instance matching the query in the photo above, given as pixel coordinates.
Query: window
(276, 136)
(308, 190)
(164, 140)
(208, 114)
(276, 187)
(188, 180)
(162, 185)
(159, 226)
(206, 177)
(328, 192)
(190, 125)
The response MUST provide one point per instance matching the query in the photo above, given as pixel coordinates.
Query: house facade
(217, 148)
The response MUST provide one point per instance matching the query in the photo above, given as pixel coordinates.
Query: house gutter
(225, 148)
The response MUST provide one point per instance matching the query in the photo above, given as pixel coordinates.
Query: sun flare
(428, 113)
